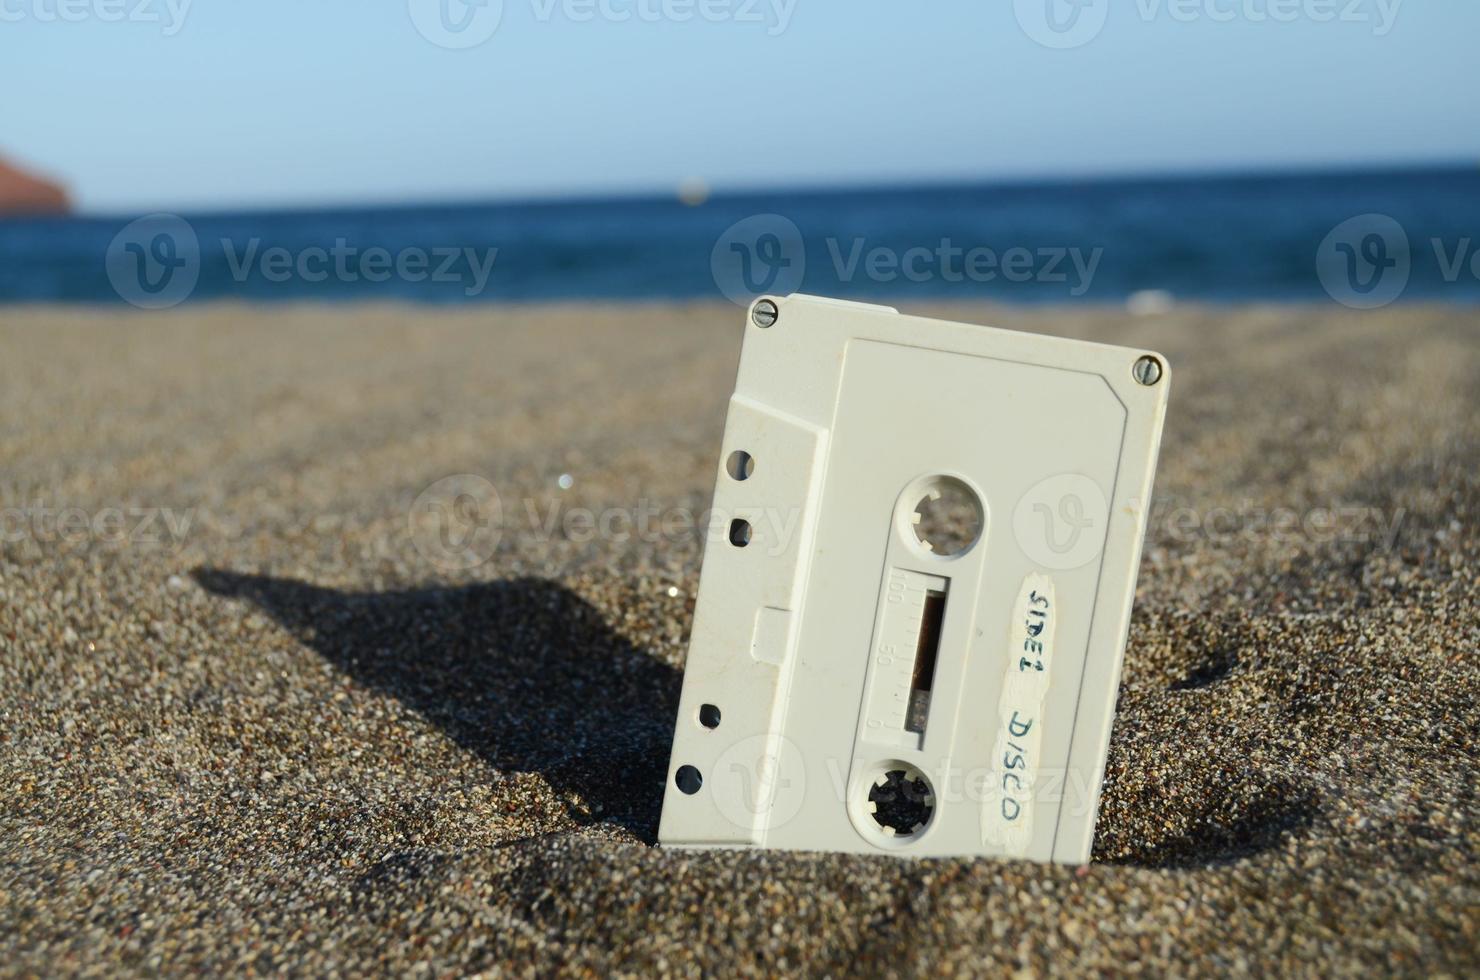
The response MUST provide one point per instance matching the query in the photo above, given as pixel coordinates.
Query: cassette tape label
(1013, 786)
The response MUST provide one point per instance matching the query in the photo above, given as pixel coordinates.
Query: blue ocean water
(1360, 238)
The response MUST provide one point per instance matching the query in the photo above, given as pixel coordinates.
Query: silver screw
(765, 313)
(1147, 371)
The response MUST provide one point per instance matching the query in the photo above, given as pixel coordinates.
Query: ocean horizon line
(722, 194)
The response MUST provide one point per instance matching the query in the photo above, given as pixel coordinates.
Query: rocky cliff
(24, 193)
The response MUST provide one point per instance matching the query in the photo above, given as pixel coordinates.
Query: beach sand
(252, 722)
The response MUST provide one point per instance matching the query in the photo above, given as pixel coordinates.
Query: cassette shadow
(523, 672)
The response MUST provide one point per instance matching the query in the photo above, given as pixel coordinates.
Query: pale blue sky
(294, 102)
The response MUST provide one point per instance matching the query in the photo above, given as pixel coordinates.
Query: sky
(175, 104)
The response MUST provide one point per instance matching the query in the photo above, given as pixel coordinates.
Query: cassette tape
(917, 587)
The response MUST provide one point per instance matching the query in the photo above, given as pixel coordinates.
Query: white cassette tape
(917, 588)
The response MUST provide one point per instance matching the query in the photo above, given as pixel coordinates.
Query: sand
(255, 720)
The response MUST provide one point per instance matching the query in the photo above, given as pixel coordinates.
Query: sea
(1360, 238)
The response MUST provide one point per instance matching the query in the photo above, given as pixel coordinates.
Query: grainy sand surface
(264, 731)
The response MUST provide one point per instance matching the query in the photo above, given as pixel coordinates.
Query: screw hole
(765, 314)
(740, 465)
(688, 780)
(740, 532)
(1147, 370)
(709, 716)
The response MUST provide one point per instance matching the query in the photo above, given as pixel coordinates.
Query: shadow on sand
(524, 672)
